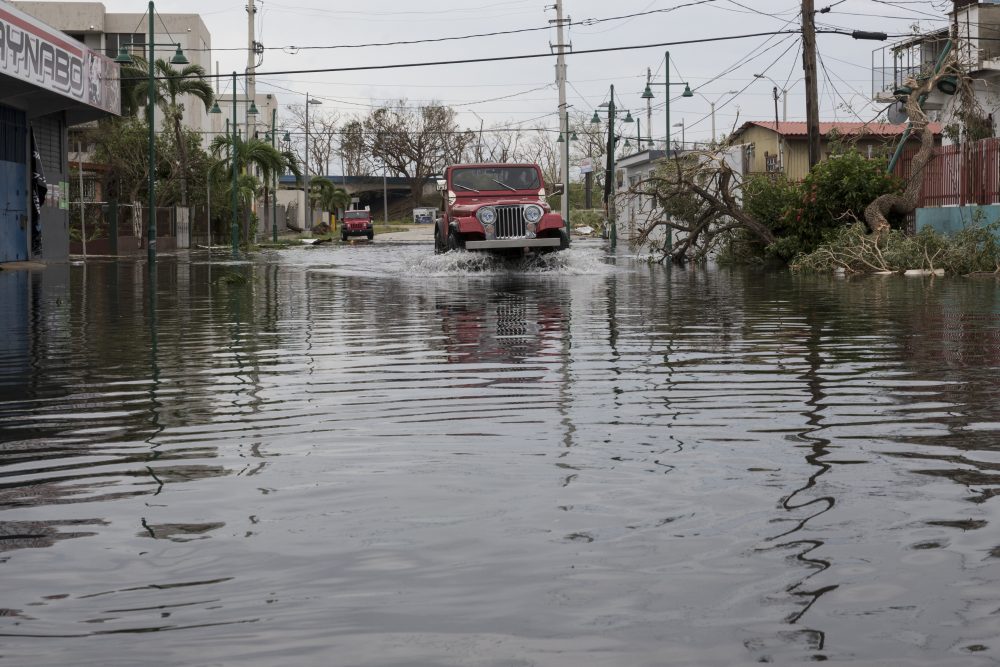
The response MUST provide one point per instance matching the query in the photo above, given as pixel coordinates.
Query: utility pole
(251, 62)
(609, 199)
(563, 112)
(809, 68)
(308, 225)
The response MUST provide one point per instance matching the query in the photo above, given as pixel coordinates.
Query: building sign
(44, 57)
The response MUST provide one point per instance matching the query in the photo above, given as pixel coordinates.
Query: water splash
(584, 261)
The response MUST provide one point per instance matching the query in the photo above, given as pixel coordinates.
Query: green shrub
(830, 199)
(833, 195)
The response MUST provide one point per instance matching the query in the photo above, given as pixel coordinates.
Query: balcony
(976, 26)
(914, 58)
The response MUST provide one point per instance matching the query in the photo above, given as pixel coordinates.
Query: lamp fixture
(124, 57)
(179, 58)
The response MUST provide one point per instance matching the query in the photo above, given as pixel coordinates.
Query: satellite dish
(896, 113)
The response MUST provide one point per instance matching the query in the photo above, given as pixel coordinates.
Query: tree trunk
(876, 213)
(267, 211)
(182, 158)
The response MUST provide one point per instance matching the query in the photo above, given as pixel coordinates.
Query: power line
(752, 82)
(430, 40)
(531, 56)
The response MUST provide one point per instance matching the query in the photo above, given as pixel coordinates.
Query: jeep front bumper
(501, 244)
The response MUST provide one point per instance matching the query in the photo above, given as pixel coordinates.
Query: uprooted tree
(906, 202)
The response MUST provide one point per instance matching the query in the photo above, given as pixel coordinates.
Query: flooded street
(374, 456)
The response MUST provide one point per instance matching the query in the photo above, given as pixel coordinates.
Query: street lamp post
(647, 94)
(385, 197)
(234, 226)
(566, 137)
(712, 104)
(233, 154)
(274, 194)
(609, 189)
(178, 59)
(784, 96)
(309, 208)
(777, 131)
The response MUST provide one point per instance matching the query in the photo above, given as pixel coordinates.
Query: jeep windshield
(356, 215)
(508, 179)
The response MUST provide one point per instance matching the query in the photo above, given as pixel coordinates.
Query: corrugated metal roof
(799, 129)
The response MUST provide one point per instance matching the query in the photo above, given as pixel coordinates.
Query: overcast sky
(711, 68)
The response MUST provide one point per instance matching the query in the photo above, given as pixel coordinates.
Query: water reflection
(549, 466)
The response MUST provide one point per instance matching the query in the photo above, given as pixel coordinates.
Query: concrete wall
(294, 202)
(91, 21)
(950, 220)
(68, 16)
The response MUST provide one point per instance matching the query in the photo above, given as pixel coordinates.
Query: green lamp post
(647, 94)
(234, 225)
(125, 58)
(274, 194)
(610, 171)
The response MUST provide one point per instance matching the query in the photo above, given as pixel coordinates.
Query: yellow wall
(796, 151)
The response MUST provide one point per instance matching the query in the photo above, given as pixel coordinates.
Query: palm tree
(328, 196)
(242, 154)
(171, 84)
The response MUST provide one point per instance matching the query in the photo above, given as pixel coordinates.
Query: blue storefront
(48, 82)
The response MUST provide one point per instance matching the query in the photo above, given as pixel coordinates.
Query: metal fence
(959, 174)
(112, 228)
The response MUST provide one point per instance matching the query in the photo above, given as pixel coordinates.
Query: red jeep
(357, 223)
(498, 208)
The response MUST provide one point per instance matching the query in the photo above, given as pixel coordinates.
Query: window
(501, 178)
(115, 40)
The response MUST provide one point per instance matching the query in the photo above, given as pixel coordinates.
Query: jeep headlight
(487, 215)
(533, 213)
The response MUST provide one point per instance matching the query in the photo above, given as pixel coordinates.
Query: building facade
(787, 150)
(48, 81)
(105, 32)
(961, 184)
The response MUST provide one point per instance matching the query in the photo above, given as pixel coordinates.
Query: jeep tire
(454, 242)
(563, 239)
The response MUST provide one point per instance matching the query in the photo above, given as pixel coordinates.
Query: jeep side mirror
(557, 189)
(442, 185)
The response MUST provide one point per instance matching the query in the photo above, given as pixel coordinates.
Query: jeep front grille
(510, 222)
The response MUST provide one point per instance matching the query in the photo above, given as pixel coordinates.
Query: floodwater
(376, 456)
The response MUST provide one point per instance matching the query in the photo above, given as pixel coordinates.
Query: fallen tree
(695, 205)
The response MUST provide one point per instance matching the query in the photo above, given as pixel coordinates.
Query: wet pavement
(372, 455)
